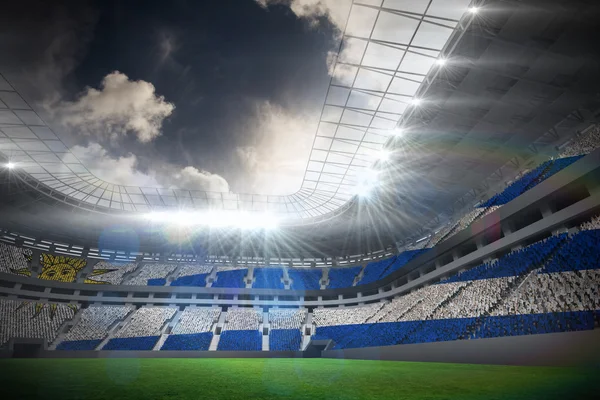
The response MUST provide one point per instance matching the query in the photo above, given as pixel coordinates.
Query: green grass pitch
(122, 378)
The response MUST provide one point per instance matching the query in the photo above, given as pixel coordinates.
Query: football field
(122, 378)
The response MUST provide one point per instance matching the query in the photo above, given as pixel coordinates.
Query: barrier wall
(552, 349)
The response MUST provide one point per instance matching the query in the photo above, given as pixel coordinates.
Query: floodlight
(441, 62)
(384, 155)
(473, 10)
(367, 181)
(215, 219)
(416, 102)
(10, 165)
(398, 132)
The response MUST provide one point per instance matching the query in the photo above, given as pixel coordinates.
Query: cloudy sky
(220, 95)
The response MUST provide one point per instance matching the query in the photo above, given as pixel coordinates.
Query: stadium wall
(551, 349)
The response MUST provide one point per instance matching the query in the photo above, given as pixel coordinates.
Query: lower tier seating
(140, 343)
(240, 341)
(285, 340)
(79, 344)
(194, 341)
(411, 332)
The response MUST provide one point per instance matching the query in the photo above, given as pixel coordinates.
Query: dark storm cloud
(247, 83)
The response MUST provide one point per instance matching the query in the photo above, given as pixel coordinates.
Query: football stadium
(302, 199)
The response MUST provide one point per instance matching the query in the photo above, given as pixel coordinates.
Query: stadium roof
(389, 55)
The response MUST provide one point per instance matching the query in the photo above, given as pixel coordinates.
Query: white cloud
(119, 107)
(335, 10)
(194, 179)
(123, 171)
(274, 163)
(120, 171)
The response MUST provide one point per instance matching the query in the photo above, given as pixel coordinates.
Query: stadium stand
(197, 320)
(592, 224)
(583, 144)
(230, 278)
(286, 318)
(529, 180)
(374, 270)
(515, 263)
(285, 333)
(191, 275)
(344, 316)
(14, 259)
(93, 326)
(305, 279)
(111, 273)
(190, 341)
(193, 331)
(241, 330)
(285, 340)
(60, 268)
(24, 319)
(151, 274)
(243, 340)
(268, 278)
(142, 331)
(342, 277)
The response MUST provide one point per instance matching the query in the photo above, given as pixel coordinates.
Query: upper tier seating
(305, 279)
(342, 277)
(230, 278)
(584, 144)
(151, 274)
(375, 269)
(515, 263)
(594, 223)
(93, 326)
(529, 180)
(24, 319)
(14, 259)
(111, 273)
(196, 320)
(191, 275)
(268, 278)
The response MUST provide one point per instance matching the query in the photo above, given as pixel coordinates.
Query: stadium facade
(86, 275)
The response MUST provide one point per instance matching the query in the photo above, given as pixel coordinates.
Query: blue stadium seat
(240, 341)
(194, 341)
(342, 277)
(132, 343)
(268, 278)
(198, 280)
(157, 282)
(580, 252)
(79, 345)
(305, 279)
(231, 279)
(285, 340)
